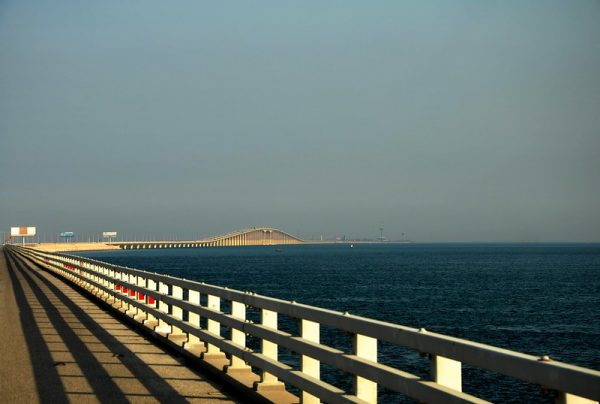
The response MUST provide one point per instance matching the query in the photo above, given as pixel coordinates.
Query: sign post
(22, 232)
(67, 235)
(109, 235)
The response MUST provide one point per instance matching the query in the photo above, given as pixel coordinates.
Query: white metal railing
(150, 297)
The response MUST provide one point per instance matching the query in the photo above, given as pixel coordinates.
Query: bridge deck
(58, 346)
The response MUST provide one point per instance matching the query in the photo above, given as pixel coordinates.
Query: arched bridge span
(246, 237)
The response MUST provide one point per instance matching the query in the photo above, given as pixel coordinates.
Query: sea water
(539, 299)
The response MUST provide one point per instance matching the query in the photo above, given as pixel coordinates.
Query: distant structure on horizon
(381, 238)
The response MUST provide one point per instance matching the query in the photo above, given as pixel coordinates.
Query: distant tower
(381, 238)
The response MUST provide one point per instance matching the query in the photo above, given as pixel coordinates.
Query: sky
(444, 120)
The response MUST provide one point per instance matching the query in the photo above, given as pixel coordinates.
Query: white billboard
(109, 234)
(22, 231)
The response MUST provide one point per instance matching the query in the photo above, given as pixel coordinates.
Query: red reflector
(141, 296)
(125, 290)
(117, 287)
(132, 292)
(151, 300)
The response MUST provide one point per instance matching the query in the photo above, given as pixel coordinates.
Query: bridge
(256, 236)
(246, 237)
(236, 337)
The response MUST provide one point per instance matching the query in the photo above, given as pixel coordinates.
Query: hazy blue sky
(445, 120)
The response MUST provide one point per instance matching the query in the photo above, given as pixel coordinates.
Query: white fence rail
(161, 303)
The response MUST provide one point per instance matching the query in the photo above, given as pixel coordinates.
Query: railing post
(110, 283)
(100, 270)
(110, 299)
(365, 348)
(117, 303)
(177, 312)
(95, 277)
(70, 274)
(131, 309)
(567, 398)
(80, 281)
(115, 279)
(310, 331)
(141, 315)
(123, 306)
(269, 349)
(177, 335)
(446, 372)
(193, 343)
(89, 277)
(214, 327)
(163, 327)
(151, 321)
(238, 337)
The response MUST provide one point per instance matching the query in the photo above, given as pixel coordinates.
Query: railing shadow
(48, 383)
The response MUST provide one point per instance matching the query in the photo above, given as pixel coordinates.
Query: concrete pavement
(58, 346)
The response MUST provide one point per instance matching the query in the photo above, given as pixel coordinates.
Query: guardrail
(190, 314)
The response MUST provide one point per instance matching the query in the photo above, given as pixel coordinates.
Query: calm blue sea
(540, 299)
